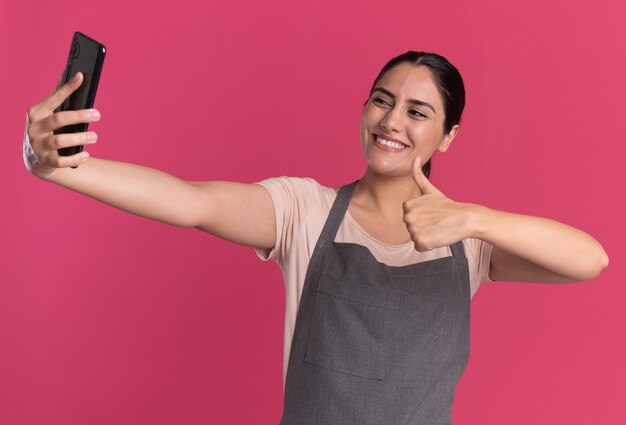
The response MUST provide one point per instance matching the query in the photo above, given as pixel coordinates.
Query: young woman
(379, 273)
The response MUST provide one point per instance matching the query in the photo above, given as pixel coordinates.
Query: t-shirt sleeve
(479, 260)
(484, 261)
(292, 197)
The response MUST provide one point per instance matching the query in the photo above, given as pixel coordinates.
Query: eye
(380, 101)
(417, 114)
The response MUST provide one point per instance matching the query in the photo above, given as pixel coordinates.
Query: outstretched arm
(525, 248)
(241, 213)
(536, 249)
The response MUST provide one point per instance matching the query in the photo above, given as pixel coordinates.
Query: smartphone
(87, 56)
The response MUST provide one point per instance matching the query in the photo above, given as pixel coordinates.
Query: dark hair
(448, 81)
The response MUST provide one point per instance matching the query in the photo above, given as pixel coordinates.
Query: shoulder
(300, 207)
(292, 183)
(302, 189)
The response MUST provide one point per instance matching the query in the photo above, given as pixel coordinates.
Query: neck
(385, 194)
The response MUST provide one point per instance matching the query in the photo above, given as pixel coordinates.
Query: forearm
(555, 246)
(133, 188)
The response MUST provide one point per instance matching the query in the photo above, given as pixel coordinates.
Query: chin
(387, 168)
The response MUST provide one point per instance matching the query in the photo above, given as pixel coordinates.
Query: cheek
(371, 114)
(366, 124)
(363, 139)
(426, 136)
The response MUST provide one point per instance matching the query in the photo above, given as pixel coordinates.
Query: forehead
(408, 81)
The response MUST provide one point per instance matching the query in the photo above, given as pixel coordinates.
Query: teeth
(393, 145)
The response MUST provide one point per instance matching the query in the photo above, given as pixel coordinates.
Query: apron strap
(458, 251)
(338, 210)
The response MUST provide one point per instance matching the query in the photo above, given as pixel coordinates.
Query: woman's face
(403, 118)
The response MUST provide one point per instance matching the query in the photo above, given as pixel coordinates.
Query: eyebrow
(413, 101)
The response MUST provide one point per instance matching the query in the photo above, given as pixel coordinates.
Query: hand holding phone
(86, 56)
(56, 126)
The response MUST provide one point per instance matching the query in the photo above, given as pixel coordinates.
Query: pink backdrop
(107, 318)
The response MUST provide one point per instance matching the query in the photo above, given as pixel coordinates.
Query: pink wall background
(107, 318)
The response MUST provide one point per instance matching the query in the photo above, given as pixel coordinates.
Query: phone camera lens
(75, 50)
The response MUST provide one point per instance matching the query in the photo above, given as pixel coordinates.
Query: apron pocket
(351, 327)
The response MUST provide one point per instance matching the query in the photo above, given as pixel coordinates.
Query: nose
(391, 121)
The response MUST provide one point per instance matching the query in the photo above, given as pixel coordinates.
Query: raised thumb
(421, 180)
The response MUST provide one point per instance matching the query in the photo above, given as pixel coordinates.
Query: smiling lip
(387, 148)
(386, 137)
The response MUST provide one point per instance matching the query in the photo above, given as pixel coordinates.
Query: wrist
(475, 220)
(30, 158)
(43, 172)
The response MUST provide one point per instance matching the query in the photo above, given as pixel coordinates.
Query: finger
(61, 119)
(70, 161)
(51, 102)
(60, 141)
(421, 180)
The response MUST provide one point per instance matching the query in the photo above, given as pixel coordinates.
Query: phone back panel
(87, 56)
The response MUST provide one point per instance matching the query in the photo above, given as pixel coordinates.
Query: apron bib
(376, 344)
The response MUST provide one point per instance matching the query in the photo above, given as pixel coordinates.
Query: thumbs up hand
(432, 219)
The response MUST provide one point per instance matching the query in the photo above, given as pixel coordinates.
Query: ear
(448, 138)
